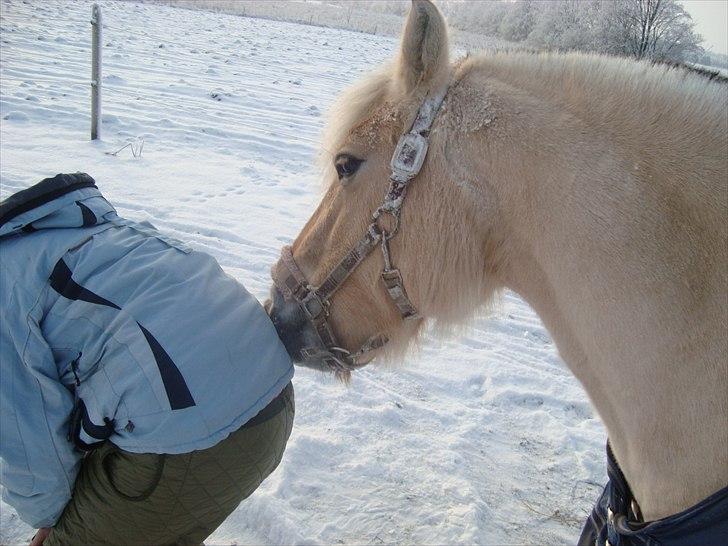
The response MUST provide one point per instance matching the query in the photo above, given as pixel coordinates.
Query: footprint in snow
(114, 80)
(16, 116)
(109, 119)
(218, 95)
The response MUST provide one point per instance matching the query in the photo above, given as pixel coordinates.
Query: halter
(407, 161)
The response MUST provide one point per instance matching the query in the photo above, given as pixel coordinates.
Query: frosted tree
(566, 25)
(659, 29)
(519, 20)
(656, 29)
(479, 17)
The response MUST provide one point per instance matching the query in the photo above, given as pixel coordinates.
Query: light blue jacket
(112, 331)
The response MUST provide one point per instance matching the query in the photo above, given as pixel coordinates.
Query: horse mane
(705, 72)
(608, 91)
(596, 83)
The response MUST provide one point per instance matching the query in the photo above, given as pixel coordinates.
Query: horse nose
(289, 321)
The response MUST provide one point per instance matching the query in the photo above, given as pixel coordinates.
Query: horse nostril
(290, 323)
(274, 305)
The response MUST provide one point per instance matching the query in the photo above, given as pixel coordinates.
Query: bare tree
(655, 29)
(518, 21)
(658, 29)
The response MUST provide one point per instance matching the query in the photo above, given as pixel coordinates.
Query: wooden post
(95, 71)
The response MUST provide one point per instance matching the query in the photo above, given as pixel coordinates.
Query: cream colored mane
(610, 91)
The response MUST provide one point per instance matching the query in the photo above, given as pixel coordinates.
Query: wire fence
(119, 98)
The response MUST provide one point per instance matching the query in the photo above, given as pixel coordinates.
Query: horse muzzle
(294, 329)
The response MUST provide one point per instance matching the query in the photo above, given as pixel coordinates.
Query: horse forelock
(351, 110)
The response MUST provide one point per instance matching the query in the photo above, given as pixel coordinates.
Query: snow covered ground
(485, 439)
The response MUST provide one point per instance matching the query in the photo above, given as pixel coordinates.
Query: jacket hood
(64, 201)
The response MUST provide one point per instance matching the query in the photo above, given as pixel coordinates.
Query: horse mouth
(294, 329)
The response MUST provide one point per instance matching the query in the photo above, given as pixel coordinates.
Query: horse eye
(347, 165)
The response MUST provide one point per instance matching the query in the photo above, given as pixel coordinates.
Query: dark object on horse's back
(613, 521)
(712, 75)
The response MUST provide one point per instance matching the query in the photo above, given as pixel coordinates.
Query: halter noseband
(407, 161)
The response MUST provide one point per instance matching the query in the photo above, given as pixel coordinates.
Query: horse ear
(424, 54)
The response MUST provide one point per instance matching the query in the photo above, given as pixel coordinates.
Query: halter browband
(407, 161)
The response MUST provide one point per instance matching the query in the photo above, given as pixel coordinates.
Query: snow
(485, 438)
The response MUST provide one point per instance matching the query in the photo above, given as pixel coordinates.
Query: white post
(95, 71)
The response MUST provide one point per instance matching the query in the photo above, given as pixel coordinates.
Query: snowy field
(484, 439)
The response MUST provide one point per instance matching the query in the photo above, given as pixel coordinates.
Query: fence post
(95, 71)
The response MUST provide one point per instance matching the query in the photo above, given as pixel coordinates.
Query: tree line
(661, 30)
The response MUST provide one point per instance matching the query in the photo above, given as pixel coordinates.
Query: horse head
(377, 217)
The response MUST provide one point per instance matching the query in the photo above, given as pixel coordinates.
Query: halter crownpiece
(407, 161)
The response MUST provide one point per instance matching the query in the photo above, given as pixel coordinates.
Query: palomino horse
(594, 187)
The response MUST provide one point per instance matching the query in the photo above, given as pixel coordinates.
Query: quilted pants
(133, 499)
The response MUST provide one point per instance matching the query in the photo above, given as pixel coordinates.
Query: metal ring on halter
(386, 234)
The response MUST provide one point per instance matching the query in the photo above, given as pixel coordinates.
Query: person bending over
(144, 392)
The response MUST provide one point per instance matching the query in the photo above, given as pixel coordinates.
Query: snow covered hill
(484, 438)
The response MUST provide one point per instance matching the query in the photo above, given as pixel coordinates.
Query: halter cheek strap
(407, 161)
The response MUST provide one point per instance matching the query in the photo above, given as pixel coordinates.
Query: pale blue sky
(711, 20)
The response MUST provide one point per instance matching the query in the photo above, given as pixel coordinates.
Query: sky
(711, 20)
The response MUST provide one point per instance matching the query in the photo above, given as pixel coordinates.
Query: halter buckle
(314, 306)
(394, 284)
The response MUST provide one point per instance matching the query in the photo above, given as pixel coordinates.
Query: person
(144, 392)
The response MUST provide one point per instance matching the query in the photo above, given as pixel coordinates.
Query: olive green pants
(134, 499)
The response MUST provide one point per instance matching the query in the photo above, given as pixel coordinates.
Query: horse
(595, 187)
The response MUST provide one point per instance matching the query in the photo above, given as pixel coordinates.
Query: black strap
(273, 408)
(621, 499)
(80, 420)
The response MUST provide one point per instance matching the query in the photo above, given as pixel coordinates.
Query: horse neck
(632, 292)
